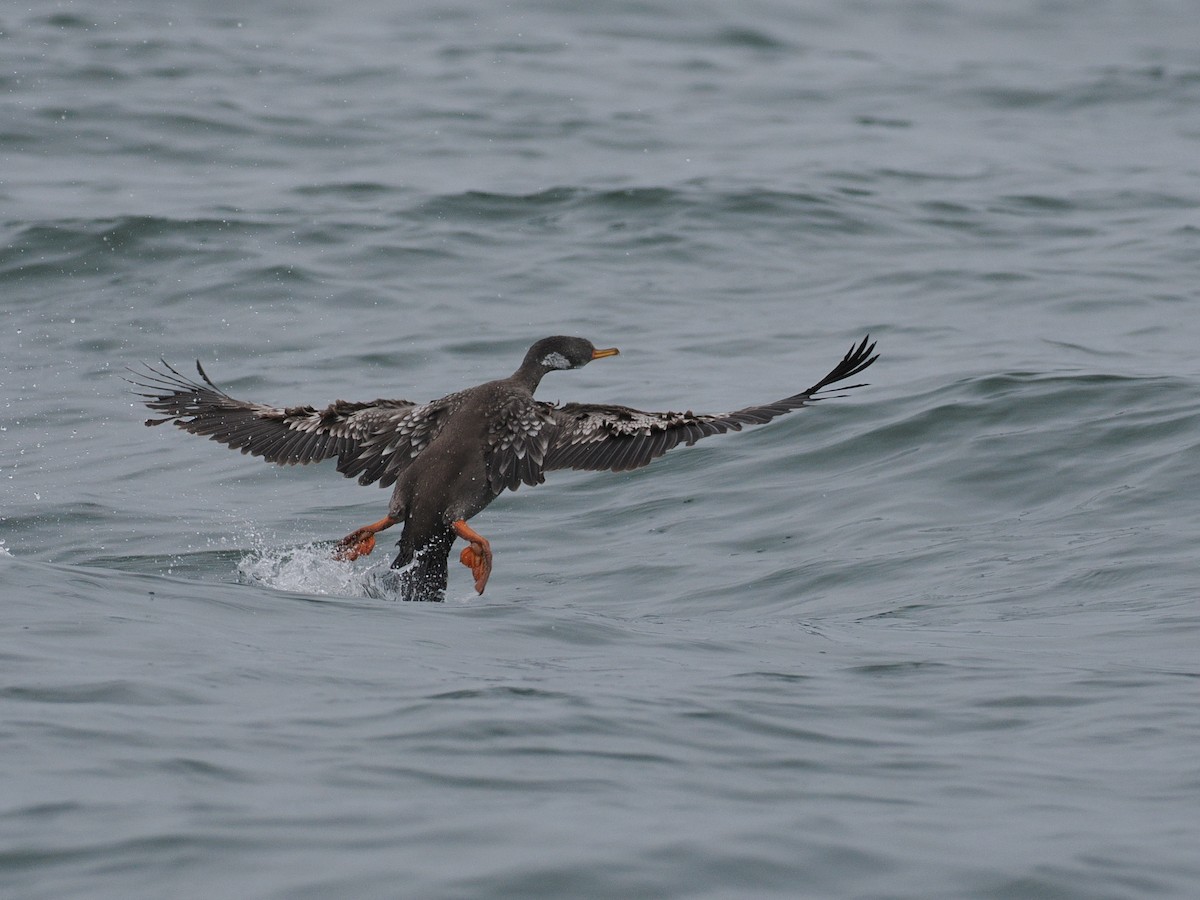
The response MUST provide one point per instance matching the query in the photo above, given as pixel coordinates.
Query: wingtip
(204, 375)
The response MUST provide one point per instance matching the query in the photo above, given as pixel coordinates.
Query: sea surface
(937, 639)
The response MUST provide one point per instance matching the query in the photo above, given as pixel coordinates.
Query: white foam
(310, 569)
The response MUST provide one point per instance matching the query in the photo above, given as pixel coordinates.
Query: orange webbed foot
(478, 556)
(361, 542)
(356, 544)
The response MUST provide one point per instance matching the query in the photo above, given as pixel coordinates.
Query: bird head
(562, 352)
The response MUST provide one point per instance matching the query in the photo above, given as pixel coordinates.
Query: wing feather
(373, 440)
(517, 441)
(601, 437)
(397, 437)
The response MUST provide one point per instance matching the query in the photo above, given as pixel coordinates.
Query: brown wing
(397, 437)
(617, 438)
(518, 438)
(373, 440)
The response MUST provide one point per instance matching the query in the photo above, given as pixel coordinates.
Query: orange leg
(478, 556)
(361, 542)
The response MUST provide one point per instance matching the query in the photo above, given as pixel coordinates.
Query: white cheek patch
(555, 360)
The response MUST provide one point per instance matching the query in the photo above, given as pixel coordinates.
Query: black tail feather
(424, 570)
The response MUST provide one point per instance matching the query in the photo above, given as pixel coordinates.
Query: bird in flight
(450, 458)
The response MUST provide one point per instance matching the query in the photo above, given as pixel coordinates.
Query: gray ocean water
(938, 639)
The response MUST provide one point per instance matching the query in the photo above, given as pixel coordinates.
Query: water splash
(311, 569)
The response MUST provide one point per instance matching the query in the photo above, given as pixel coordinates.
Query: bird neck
(529, 376)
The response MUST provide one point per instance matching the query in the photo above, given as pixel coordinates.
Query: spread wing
(397, 438)
(373, 440)
(616, 438)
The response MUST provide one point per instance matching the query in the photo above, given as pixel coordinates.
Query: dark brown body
(446, 483)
